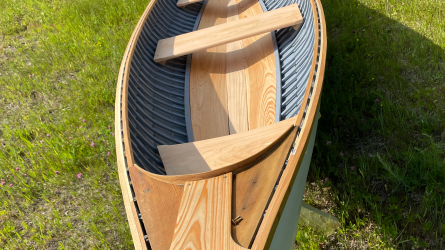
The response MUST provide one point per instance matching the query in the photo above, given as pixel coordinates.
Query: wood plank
(253, 188)
(183, 3)
(236, 80)
(208, 90)
(204, 216)
(228, 32)
(158, 204)
(250, 80)
(261, 71)
(224, 152)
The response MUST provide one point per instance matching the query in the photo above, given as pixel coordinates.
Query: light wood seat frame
(222, 153)
(228, 32)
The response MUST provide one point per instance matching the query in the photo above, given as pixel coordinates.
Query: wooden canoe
(216, 115)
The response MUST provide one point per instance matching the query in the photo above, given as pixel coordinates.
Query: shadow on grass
(382, 112)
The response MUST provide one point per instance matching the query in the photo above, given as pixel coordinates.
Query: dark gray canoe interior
(156, 111)
(156, 93)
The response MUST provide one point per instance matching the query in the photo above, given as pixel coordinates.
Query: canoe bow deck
(193, 102)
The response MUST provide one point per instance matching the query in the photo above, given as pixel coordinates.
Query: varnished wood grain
(225, 33)
(208, 90)
(259, 54)
(236, 80)
(204, 216)
(158, 204)
(253, 188)
(223, 152)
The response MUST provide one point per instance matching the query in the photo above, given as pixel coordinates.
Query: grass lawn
(378, 165)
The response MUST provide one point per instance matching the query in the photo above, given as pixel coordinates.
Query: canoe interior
(218, 89)
(257, 83)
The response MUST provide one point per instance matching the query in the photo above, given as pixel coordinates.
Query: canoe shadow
(372, 61)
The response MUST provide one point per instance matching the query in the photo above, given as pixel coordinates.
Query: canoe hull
(281, 217)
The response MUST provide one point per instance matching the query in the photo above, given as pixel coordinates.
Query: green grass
(59, 61)
(383, 110)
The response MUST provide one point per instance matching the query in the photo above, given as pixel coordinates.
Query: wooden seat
(228, 32)
(224, 152)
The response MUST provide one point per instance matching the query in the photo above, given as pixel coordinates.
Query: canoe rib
(228, 32)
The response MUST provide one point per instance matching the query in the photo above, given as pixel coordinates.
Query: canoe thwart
(228, 32)
(229, 151)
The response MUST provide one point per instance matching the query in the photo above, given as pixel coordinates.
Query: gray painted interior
(156, 106)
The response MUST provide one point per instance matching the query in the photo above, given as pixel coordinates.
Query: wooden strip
(224, 152)
(259, 54)
(158, 204)
(228, 32)
(208, 90)
(253, 188)
(236, 80)
(121, 98)
(204, 216)
(272, 216)
(183, 3)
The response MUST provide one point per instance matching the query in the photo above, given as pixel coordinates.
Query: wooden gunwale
(270, 221)
(122, 133)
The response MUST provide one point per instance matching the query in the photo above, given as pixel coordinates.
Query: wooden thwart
(223, 152)
(228, 32)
